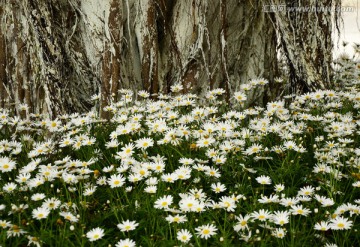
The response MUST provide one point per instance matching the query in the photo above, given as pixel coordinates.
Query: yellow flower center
(341, 225)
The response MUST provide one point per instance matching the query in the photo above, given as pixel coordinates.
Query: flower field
(185, 171)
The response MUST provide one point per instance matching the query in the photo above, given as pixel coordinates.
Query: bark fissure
(223, 42)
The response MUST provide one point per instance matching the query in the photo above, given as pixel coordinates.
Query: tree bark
(306, 41)
(65, 51)
(223, 41)
(111, 58)
(147, 38)
(3, 74)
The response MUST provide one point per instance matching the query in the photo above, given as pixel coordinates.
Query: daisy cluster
(185, 170)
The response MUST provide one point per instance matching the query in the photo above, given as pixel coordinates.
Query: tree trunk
(111, 58)
(3, 75)
(56, 54)
(306, 40)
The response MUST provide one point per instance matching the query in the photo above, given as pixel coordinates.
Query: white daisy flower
(95, 234)
(183, 235)
(125, 243)
(206, 231)
(40, 213)
(127, 225)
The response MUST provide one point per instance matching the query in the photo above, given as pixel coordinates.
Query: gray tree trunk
(55, 54)
(306, 39)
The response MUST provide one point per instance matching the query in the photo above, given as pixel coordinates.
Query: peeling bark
(111, 60)
(147, 35)
(44, 65)
(307, 43)
(223, 41)
(3, 74)
(66, 51)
